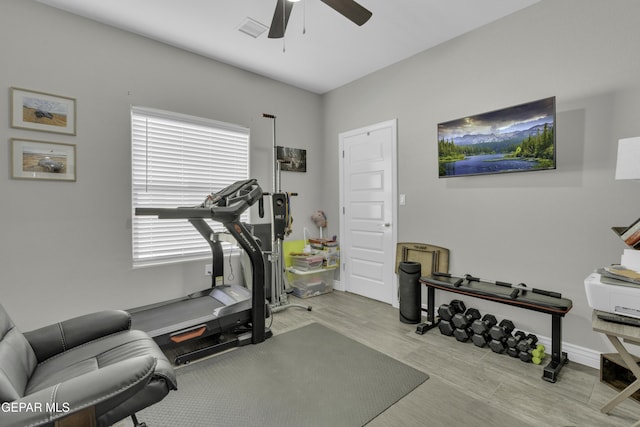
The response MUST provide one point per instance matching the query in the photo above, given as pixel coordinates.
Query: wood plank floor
(468, 385)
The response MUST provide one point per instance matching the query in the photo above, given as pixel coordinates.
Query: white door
(368, 202)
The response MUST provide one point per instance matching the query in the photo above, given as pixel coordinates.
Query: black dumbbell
(480, 340)
(462, 323)
(502, 330)
(532, 354)
(464, 320)
(499, 334)
(446, 327)
(463, 334)
(482, 326)
(447, 311)
(514, 339)
(513, 352)
(526, 356)
(497, 346)
(512, 343)
(527, 343)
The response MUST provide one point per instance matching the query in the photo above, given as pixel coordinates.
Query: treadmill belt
(175, 316)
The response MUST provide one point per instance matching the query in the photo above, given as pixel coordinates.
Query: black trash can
(410, 301)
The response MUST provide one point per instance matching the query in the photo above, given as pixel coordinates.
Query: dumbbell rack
(528, 298)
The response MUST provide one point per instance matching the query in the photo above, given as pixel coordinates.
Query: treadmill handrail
(235, 205)
(217, 213)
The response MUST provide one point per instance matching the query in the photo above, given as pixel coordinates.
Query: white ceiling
(333, 52)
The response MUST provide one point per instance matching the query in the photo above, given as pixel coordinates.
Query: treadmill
(231, 310)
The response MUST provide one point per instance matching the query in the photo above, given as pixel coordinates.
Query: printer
(612, 295)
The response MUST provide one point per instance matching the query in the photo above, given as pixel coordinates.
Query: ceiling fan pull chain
(304, 17)
(284, 25)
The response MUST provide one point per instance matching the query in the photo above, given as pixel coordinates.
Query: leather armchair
(91, 370)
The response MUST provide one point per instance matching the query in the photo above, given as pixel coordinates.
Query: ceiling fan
(348, 8)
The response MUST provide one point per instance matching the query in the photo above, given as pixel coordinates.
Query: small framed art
(42, 111)
(292, 159)
(42, 160)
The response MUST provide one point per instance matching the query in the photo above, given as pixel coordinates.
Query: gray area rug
(311, 376)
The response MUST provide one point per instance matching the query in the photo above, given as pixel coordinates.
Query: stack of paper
(621, 273)
(631, 259)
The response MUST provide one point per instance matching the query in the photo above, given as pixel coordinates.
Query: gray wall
(548, 229)
(66, 247)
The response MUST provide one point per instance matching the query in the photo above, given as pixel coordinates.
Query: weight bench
(88, 371)
(519, 296)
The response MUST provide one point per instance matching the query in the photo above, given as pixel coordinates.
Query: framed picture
(292, 159)
(42, 160)
(42, 111)
(520, 138)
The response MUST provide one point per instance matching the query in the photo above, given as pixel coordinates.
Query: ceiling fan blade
(350, 9)
(280, 19)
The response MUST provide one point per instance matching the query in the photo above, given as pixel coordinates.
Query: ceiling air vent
(252, 27)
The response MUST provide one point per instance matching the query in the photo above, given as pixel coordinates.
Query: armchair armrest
(53, 339)
(103, 389)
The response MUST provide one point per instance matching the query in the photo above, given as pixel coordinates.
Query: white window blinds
(177, 160)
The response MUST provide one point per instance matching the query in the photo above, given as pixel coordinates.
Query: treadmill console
(247, 190)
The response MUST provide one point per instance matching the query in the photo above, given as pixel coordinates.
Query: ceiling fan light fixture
(350, 9)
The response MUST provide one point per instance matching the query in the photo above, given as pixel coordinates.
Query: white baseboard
(575, 353)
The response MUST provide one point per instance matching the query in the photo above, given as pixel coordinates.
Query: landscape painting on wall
(515, 139)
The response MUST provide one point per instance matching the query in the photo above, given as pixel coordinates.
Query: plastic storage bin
(307, 284)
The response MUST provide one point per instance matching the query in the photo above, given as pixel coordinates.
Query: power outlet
(208, 269)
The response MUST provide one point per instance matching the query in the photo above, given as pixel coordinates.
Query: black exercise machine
(222, 309)
(280, 228)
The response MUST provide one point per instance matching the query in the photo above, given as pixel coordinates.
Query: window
(177, 160)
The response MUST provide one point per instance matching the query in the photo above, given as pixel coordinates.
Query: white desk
(615, 331)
